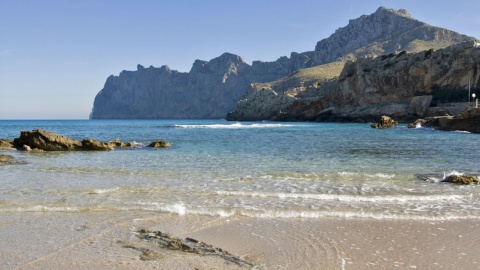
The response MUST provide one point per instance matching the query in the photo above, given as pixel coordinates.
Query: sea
(253, 169)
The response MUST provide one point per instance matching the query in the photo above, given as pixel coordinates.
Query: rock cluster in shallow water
(462, 179)
(43, 140)
(385, 122)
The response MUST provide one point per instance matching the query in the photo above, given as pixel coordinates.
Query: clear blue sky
(56, 55)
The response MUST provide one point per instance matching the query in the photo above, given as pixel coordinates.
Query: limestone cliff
(212, 88)
(383, 32)
(398, 84)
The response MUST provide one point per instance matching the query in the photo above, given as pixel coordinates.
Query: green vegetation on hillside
(304, 78)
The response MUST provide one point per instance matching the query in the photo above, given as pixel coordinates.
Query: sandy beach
(108, 240)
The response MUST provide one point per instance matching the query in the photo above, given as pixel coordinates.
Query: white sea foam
(321, 214)
(347, 198)
(181, 209)
(176, 208)
(103, 190)
(234, 126)
(42, 208)
(382, 175)
(445, 175)
(346, 173)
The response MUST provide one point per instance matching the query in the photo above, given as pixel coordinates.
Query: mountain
(401, 85)
(212, 88)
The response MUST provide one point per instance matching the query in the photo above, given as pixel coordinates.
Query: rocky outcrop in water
(384, 122)
(159, 144)
(47, 140)
(8, 160)
(468, 120)
(43, 140)
(462, 179)
(212, 88)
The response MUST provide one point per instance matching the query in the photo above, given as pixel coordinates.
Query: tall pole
(469, 89)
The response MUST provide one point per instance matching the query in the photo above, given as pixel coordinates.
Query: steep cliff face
(385, 31)
(397, 84)
(212, 88)
(207, 91)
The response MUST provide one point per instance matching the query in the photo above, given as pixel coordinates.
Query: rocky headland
(401, 85)
(305, 85)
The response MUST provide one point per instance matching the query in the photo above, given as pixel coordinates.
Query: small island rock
(462, 179)
(159, 144)
(385, 122)
(47, 140)
(95, 145)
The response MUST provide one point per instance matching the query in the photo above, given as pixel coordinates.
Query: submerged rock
(159, 144)
(462, 179)
(8, 160)
(385, 122)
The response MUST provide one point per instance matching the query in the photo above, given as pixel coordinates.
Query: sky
(55, 56)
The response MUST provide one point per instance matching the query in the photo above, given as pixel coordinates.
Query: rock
(159, 144)
(160, 239)
(385, 122)
(387, 85)
(43, 140)
(262, 104)
(418, 123)
(8, 160)
(95, 145)
(4, 158)
(47, 140)
(115, 143)
(26, 148)
(419, 105)
(6, 144)
(462, 179)
(468, 120)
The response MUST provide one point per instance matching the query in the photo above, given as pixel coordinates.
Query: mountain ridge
(212, 88)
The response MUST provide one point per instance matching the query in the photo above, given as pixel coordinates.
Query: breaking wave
(346, 198)
(234, 126)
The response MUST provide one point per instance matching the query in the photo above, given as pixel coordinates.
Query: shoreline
(106, 240)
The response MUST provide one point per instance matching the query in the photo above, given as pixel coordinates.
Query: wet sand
(108, 240)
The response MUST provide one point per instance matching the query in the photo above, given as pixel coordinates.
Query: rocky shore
(468, 120)
(40, 140)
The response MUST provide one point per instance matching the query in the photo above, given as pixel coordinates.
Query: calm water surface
(261, 169)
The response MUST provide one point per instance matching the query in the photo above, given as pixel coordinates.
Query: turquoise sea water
(259, 169)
